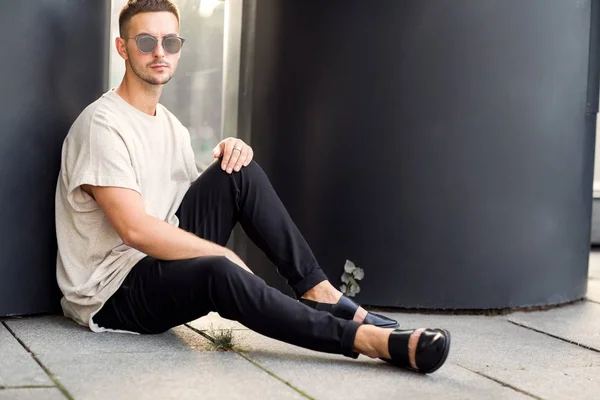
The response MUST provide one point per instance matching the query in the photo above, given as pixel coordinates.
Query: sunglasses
(147, 43)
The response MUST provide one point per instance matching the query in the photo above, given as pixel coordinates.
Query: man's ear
(120, 44)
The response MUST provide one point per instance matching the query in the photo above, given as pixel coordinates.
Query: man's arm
(125, 211)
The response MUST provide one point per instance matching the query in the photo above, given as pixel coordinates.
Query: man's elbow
(134, 235)
(131, 238)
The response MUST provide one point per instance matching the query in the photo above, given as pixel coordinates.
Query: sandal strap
(398, 347)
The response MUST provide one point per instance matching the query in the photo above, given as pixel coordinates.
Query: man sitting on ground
(141, 234)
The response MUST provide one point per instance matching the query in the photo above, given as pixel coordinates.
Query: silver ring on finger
(237, 148)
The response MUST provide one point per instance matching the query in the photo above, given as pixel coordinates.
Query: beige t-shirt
(113, 144)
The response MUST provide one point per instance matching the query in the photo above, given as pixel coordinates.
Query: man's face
(158, 66)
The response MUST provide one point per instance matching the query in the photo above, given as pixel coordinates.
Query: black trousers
(158, 295)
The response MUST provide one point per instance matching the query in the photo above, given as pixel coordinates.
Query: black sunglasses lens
(146, 44)
(172, 45)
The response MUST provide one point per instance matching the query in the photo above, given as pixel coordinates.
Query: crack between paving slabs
(555, 337)
(592, 301)
(39, 362)
(508, 385)
(298, 390)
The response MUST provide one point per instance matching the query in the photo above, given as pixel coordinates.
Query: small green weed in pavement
(222, 339)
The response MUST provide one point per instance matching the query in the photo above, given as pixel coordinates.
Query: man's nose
(159, 51)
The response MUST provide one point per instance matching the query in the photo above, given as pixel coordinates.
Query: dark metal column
(446, 147)
(55, 63)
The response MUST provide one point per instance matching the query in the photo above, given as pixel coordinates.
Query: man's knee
(215, 169)
(216, 172)
(254, 168)
(219, 266)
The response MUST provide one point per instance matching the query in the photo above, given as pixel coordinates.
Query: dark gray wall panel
(446, 147)
(55, 63)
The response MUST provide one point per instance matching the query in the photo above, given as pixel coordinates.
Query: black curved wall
(55, 63)
(446, 147)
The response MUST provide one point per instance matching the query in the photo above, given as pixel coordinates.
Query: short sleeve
(96, 155)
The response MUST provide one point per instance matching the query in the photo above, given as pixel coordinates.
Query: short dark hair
(134, 7)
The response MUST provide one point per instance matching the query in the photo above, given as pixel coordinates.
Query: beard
(148, 78)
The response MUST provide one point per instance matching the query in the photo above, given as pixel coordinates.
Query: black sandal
(432, 349)
(346, 308)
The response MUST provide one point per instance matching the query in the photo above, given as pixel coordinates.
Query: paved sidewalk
(552, 354)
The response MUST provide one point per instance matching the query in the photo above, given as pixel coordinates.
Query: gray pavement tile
(215, 321)
(579, 322)
(594, 265)
(515, 355)
(168, 375)
(56, 334)
(593, 292)
(583, 382)
(31, 394)
(17, 367)
(329, 376)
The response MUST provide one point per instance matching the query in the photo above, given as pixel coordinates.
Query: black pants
(158, 295)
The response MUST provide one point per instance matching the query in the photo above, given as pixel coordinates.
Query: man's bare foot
(325, 292)
(373, 342)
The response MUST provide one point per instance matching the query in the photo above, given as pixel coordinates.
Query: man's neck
(140, 95)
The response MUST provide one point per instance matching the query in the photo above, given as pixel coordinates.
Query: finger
(227, 151)
(242, 159)
(235, 155)
(217, 151)
(249, 157)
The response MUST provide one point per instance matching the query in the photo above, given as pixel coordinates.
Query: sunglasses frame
(156, 41)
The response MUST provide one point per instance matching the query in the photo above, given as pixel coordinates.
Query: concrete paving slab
(594, 265)
(593, 292)
(579, 323)
(167, 375)
(56, 334)
(215, 321)
(329, 376)
(17, 367)
(31, 394)
(515, 355)
(583, 383)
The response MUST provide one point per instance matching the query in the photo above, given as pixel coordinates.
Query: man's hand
(231, 256)
(236, 154)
